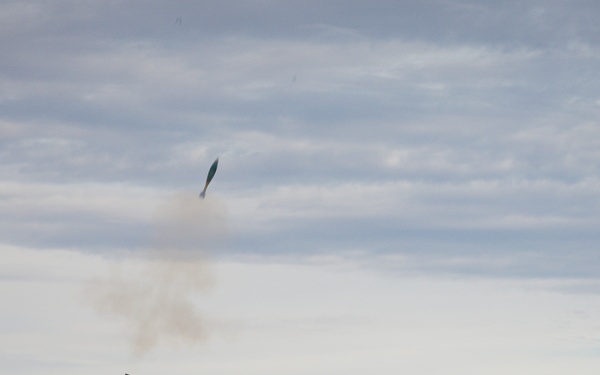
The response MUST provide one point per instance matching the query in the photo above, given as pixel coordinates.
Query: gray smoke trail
(156, 301)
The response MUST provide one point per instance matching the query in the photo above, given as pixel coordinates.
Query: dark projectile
(211, 174)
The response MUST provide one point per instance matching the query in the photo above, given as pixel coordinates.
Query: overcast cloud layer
(405, 186)
(448, 135)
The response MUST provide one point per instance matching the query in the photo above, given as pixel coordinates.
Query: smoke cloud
(155, 299)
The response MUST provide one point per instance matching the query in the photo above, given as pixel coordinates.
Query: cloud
(379, 163)
(78, 216)
(322, 304)
(361, 128)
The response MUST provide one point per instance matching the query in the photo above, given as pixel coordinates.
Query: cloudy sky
(404, 186)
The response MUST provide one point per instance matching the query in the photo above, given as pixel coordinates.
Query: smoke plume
(155, 299)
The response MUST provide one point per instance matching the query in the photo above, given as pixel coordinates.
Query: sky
(406, 187)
